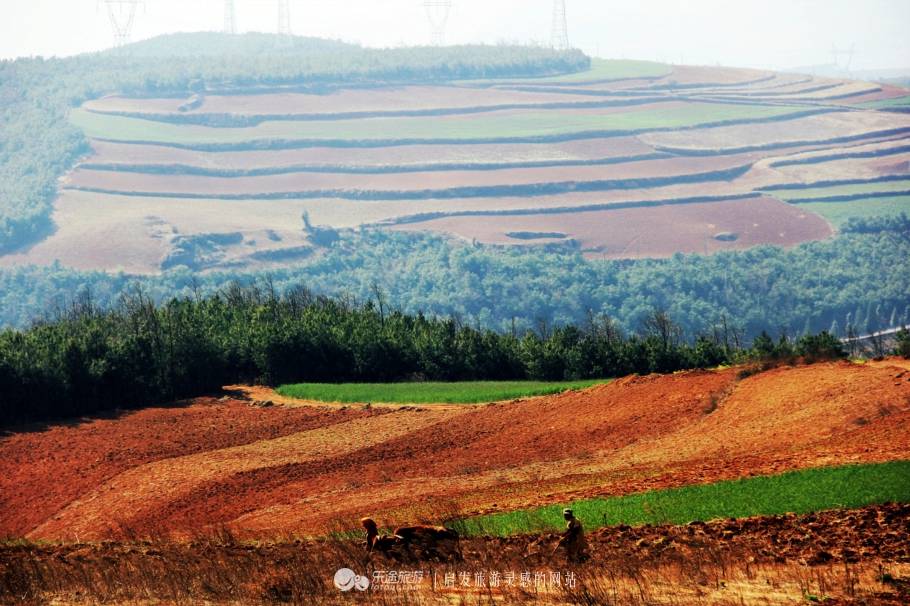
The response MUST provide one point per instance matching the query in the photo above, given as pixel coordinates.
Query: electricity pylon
(438, 16)
(230, 17)
(284, 17)
(559, 36)
(122, 14)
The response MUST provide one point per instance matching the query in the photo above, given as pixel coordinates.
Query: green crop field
(837, 213)
(615, 69)
(895, 103)
(494, 125)
(601, 69)
(808, 194)
(797, 492)
(429, 393)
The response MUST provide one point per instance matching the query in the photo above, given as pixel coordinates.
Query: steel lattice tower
(559, 37)
(230, 17)
(438, 16)
(284, 17)
(122, 14)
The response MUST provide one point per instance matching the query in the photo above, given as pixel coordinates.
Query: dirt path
(261, 395)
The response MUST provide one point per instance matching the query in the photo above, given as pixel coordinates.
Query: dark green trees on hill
(87, 360)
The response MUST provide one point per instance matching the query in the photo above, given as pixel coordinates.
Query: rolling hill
(299, 468)
(625, 160)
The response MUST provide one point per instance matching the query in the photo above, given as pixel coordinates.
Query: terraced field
(630, 159)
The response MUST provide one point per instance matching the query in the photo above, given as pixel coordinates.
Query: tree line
(87, 359)
(854, 283)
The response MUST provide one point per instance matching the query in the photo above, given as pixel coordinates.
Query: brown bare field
(884, 148)
(802, 130)
(311, 468)
(178, 430)
(887, 91)
(106, 152)
(848, 168)
(397, 99)
(136, 234)
(835, 90)
(680, 78)
(841, 557)
(649, 232)
(417, 181)
(688, 75)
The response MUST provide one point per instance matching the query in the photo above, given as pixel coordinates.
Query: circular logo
(346, 580)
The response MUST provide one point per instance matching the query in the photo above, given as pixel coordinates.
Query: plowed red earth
(81, 455)
(659, 231)
(270, 471)
(107, 152)
(397, 99)
(818, 538)
(662, 169)
(767, 560)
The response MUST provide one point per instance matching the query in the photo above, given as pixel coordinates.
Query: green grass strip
(895, 102)
(429, 393)
(837, 213)
(495, 125)
(793, 492)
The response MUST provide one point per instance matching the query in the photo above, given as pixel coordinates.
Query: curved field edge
(245, 120)
(539, 125)
(474, 191)
(800, 492)
(472, 392)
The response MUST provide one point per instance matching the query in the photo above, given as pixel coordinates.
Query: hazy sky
(769, 33)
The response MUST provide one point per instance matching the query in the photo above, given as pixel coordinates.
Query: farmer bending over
(573, 539)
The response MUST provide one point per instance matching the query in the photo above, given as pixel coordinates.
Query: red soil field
(96, 478)
(112, 444)
(405, 98)
(405, 181)
(681, 76)
(848, 168)
(888, 92)
(651, 231)
(401, 155)
(688, 75)
(818, 128)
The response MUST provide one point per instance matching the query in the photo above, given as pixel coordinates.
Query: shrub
(903, 343)
(823, 346)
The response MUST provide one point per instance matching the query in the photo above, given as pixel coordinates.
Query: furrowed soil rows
(109, 445)
(635, 434)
